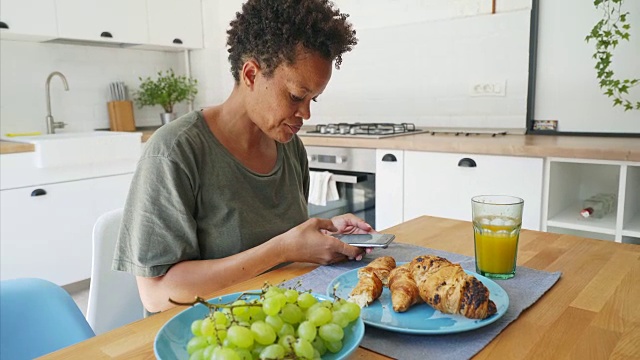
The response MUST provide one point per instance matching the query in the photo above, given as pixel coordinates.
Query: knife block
(121, 116)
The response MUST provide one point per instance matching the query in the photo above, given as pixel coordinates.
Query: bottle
(598, 206)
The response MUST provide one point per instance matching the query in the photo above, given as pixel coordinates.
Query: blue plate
(420, 318)
(171, 340)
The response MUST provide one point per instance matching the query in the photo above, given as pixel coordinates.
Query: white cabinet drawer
(442, 184)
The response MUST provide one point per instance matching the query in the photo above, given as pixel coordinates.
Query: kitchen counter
(591, 310)
(580, 147)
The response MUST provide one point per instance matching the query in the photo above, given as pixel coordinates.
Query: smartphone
(367, 240)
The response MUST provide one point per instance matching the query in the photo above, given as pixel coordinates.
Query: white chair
(114, 300)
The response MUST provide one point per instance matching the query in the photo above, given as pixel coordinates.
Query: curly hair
(270, 30)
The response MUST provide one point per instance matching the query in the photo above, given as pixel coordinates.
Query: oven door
(357, 196)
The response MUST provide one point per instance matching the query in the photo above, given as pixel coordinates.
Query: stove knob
(332, 130)
(323, 129)
(311, 158)
(352, 131)
(341, 159)
(343, 131)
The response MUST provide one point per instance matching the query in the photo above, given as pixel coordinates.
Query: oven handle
(349, 179)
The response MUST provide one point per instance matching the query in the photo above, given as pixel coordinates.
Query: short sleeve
(158, 227)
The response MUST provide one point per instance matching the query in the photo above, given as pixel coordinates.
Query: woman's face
(278, 104)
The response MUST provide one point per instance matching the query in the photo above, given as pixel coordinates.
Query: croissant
(368, 289)
(404, 291)
(382, 266)
(446, 287)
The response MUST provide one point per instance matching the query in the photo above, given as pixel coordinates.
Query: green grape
(274, 351)
(239, 309)
(291, 295)
(225, 354)
(220, 319)
(197, 355)
(263, 333)
(222, 334)
(336, 306)
(271, 306)
(331, 332)
(287, 342)
(208, 351)
(275, 322)
(333, 346)
(350, 309)
(305, 300)
(273, 290)
(195, 327)
(244, 354)
(256, 350)
(212, 340)
(240, 336)
(281, 298)
(196, 343)
(261, 316)
(206, 327)
(319, 315)
(316, 354)
(307, 330)
(292, 314)
(326, 303)
(340, 318)
(303, 349)
(319, 345)
(287, 329)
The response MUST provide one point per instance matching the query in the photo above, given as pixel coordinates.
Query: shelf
(570, 218)
(632, 227)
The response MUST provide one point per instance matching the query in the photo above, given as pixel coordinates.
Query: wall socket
(493, 88)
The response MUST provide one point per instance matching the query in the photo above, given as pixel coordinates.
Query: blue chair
(38, 317)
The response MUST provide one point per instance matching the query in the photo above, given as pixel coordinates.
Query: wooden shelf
(570, 218)
(632, 227)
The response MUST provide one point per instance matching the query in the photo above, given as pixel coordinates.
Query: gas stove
(364, 130)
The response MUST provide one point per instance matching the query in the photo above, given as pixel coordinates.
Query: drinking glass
(497, 220)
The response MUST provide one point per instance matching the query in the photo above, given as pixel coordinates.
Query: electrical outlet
(494, 88)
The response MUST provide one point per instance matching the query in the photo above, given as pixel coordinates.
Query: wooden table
(592, 312)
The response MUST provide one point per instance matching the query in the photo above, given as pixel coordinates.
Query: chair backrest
(114, 300)
(38, 317)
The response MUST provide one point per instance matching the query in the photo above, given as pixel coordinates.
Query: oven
(353, 170)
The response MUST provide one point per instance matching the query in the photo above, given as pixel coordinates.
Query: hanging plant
(607, 33)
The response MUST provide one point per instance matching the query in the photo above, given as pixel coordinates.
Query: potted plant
(166, 90)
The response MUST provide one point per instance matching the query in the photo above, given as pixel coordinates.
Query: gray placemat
(524, 289)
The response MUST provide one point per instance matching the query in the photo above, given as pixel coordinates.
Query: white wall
(567, 88)
(416, 61)
(24, 67)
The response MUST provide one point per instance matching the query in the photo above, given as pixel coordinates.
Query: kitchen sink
(81, 148)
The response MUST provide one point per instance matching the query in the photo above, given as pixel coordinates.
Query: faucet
(51, 124)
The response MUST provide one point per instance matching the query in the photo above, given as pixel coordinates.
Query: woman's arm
(306, 242)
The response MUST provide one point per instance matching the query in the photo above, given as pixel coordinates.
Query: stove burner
(467, 133)
(364, 128)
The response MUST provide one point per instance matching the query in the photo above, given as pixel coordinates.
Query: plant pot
(167, 117)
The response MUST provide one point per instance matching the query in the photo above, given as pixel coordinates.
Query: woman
(220, 195)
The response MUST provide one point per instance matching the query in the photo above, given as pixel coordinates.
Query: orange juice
(496, 244)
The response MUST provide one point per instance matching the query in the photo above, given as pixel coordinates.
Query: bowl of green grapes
(269, 323)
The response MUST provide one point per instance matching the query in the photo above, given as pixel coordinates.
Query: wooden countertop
(598, 148)
(591, 312)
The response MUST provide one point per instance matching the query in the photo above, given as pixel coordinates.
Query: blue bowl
(171, 341)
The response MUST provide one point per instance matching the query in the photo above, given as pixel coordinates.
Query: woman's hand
(311, 242)
(351, 224)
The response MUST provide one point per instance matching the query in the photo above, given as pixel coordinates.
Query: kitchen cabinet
(175, 23)
(28, 19)
(116, 21)
(571, 181)
(47, 229)
(389, 188)
(442, 184)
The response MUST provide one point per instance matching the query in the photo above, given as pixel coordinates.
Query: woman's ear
(249, 72)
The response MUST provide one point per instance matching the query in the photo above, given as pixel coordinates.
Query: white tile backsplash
(24, 67)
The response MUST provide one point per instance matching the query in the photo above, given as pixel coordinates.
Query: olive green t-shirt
(190, 199)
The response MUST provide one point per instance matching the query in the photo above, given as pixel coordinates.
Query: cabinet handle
(389, 158)
(38, 192)
(177, 41)
(106, 34)
(3, 25)
(467, 162)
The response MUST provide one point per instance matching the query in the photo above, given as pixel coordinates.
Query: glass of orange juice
(497, 220)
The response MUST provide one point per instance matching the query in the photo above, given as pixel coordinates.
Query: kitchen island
(591, 312)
